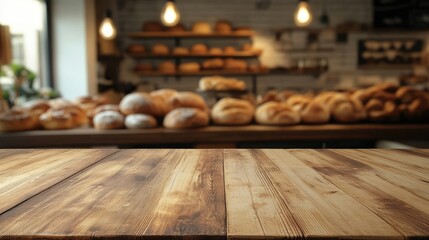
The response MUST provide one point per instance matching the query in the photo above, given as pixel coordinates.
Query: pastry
(160, 49)
(190, 67)
(231, 111)
(152, 26)
(140, 121)
(142, 103)
(17, 120)
(187, 100)
(136, 48)
(180, 51)
(275, 113)
(215, 63)
(199, 48)
(218, 83)
(223, 27)
(182, 118)
(202, 28)
(108, 120)
(167, 67)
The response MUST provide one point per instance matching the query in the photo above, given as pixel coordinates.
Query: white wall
(74, 52)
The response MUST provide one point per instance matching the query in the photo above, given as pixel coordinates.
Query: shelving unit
(235, 55)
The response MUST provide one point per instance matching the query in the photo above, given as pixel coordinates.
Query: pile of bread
(199, 27)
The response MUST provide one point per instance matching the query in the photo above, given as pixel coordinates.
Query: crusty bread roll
(99, 109)
(178, 28)
(215, 63)
(187, 100)
(136, 48)
(57, 120)
(152, 26)
(218, 83)
(382, 111)
(235, 65)
(164, 95)
(143, 67)
(142, 103)
(215, 51)
(78, 114)
(108, 120)
(315, 113)
(167, 67)
(182, 118)
(346, 109)
(275, 113)
(202, 28)
(298, 102)
(180, 51)
(231, 111)
(223, 27)
(190, 67)
(17, 120)
(199, 48)
(160, 49)
(408, 94)
(37, 106)
(140, 121)
(229, 50)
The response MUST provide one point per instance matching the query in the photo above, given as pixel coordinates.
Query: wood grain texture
(383, 185)
(146, 193)
(25, 173)
(213, 134)
(285, 197)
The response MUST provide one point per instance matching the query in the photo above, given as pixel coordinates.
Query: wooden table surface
(214, 194)
(214, 135)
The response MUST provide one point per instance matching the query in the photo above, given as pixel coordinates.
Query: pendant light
(107, 27)
(170, 15)
(303, 15)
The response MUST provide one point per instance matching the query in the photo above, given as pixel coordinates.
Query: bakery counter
(214, 194)
(215, 136)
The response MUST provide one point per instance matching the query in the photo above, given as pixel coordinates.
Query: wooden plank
(188, 35)
(25, 173)
(133, 193)
(212, 134)
(404, 209)
(272, 194)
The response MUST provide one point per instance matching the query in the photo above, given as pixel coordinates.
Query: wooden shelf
(235, 55)
(230, 73)
(139, 35)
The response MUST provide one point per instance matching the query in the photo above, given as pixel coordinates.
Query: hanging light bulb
(303, 14)
(107, 27)
(170, 15)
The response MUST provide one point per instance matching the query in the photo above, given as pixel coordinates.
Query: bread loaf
(346, 109)
(108, 120)
(160, 49)
(218, 83)
(298, 102)
(275, 113)
(140, 121)
(223, 27)
(143, 67)
(215, 63)
(190, 67)
(230, 111)
(235, 65)
(182, 118)
(202, 28)
(136, 48)
(142, 103)
(17, 120)
(216, 51)
(167, 67)
(180, 51)
(315, 113)
(187, 100)
(199, 48)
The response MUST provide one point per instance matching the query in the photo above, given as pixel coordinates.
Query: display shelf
(235, 55)
(229, 73)
(138, 35)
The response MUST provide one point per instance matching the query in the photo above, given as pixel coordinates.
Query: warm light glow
(170, 15)
(108, 29)
(303, 15)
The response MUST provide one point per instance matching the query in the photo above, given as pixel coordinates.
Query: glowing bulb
(170, 15)
(303, 15)
(108, 29)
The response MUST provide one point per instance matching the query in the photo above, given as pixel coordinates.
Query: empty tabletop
(214, 194)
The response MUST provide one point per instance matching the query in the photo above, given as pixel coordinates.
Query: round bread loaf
(235, 65)
(152, 26)
(199, 48)
(275, 113)
(108, 120)
(140, 121)
(218, 83)
(141, 103)
(164, 95)
(346, 109)
(216, 51)
(182, 118)
(223, 27)
(55, 119)
(215, 63)
(167, 67)
(202, 28)
(136, 48)
(17, 120)
(190, 67)
(231, 111)
(99, 109)
(180, 51)
(229, 50)
(298, 102)
(187, 100)
(37, 106)
(160, 49)
(315, 113)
